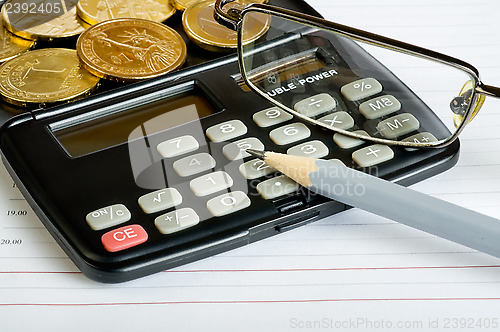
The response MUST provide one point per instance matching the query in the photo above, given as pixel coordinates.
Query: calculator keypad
(340, 120)
(312, 149)
(177, 146)
(277, 187)
(177, 220)
(237, 150)
(379, 107)
(226, 131)
(194, 164)
(160, 200)
(361, 89)
(290, 133)
(270, 117)
(316, 105)
(108, 216)
(372, 155)
(346, 142)
(211, 183)
(228, 203)
(255, 168)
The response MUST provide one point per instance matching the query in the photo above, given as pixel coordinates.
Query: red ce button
(124, 237)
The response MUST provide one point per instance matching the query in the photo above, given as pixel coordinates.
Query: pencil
(390, 200)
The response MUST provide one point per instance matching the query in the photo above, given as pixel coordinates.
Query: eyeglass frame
(233, 19)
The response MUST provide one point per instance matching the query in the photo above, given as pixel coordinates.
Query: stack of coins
(119, 40)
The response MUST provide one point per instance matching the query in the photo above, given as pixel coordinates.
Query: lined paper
(348, 272)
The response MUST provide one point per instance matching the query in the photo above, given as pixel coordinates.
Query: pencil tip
(257, 153)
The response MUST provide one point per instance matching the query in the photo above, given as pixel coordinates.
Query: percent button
(361, 89)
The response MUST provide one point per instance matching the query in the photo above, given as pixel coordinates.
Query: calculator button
(228, 203)
(237, 150)
(108, 216)
(270, 117)
(372, 155)
(226, 131)
(124, 237)
(160, 200)
(313, 149)
(316, 105)
(421, 138)
(398, 125)
(177, 220)
(340, 120)
(194, 164)
(177, 146)
(346, 142)
(290, 133)
(379, 107)
(277, 187)
(255, 168)
(211, 183)
(360, 89)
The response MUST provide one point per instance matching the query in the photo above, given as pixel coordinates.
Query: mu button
(124, 237)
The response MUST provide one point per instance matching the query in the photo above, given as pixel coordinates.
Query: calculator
(149, 176)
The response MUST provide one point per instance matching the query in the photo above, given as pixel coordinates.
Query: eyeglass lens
(351, 85)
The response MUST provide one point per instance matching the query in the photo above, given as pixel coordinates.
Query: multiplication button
(108, 216)
(177, 220)
(177, 146)
(360, 89)
(228, 203)
(340, 120)
(160, 200)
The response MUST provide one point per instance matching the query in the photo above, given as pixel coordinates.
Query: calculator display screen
(94, 135)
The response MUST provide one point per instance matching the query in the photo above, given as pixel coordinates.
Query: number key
(211, 183)
(177, 146)
(226, 131)
(271, 116)
(237, 150)
(255, 168)
(290, 133)
(313, 149)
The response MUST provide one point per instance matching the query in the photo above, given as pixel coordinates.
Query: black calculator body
(150, 176)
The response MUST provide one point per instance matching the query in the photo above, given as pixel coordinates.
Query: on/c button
(124, 237)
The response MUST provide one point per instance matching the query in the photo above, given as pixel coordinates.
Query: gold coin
(201, 27)
(41, 19)
(95, 11)
(184, 4)
(11, 46)
(130, 49)
(44, 76)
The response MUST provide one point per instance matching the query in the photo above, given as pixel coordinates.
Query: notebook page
(349, 272)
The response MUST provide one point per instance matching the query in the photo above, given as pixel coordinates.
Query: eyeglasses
(355, 83)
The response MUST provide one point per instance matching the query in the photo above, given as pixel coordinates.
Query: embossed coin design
(95, 11)
(184, 4)
(11, 46)
(130, 49)
(41, 19)
(200, 26)
(44, 76)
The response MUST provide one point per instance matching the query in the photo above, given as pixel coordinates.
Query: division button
(372, 155)
(194, 164)
(177, 220)
(291, 133)
(211, 183)
(124, 237)
(271, 116)
(360, 89)
(226, 131)
(398, 125)
(108, 216)
(228, 203)
(177, 146)
(316, 105)
(379, 107)
(277, 187)
(160, 200)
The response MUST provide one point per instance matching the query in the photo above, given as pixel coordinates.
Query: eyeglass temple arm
(228, 19)
(488, 90)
